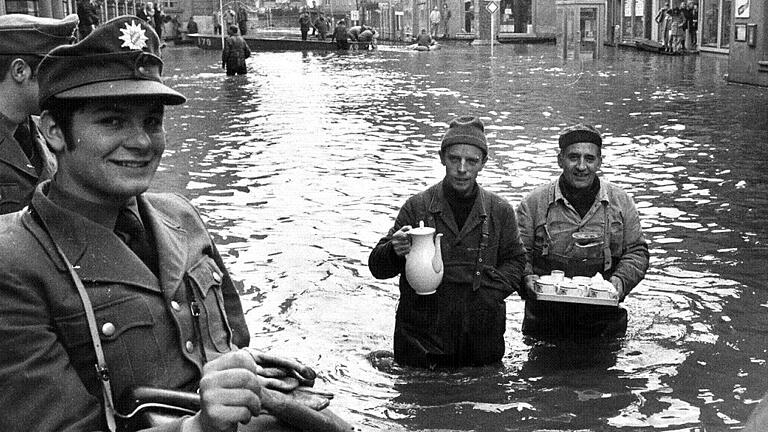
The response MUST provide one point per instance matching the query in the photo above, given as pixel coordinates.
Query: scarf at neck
(580, 198)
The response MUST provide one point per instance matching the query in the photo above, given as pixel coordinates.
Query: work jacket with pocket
(463, 322)
(547, 222)
(146, 323)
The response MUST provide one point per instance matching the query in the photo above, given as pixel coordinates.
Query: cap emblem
(134, 37)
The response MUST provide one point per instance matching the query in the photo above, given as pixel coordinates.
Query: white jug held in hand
(424, 263)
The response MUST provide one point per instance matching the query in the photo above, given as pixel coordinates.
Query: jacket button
(480, 259)
(216, 277)
(175, 305)
(108, 329)
(189, 346)
(477, 273)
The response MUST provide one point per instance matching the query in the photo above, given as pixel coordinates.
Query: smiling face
(115, 148)
(462, 164)
(580, 163)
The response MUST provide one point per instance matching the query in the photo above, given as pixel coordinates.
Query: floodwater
(301, 166)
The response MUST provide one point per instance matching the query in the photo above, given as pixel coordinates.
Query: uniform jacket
(145, 322)
(18, 177)
(547, 221)
(463, 323)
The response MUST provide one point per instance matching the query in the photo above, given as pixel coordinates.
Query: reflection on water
(301, 166)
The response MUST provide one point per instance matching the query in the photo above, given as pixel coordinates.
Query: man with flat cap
(97, 272)
(555, 219)
(24, 158)
(462, 323)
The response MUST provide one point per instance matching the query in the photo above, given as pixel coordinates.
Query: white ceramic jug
(424, 263)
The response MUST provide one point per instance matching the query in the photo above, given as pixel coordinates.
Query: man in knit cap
(24, 158)
(580, 225)
(97, 271)
(462, 323)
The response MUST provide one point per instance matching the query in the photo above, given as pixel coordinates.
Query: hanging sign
(492, 7)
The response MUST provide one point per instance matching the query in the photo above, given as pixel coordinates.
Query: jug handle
(437, 260)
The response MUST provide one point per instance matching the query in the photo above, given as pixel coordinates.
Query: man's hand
(528, 285)
(281, 373)
(401, 241)
(619, 285)
(230, 393)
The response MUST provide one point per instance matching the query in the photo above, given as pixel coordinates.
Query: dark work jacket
(47, 360)
(18, 177)
(463, 323)
(234, 54)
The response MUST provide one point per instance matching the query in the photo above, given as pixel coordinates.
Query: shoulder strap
(101, 364)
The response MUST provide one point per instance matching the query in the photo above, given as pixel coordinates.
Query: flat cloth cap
(30, 35)
(465, 130)
(579, 133)
(120, 58)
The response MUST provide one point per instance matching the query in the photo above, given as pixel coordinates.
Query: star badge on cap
(134, 37)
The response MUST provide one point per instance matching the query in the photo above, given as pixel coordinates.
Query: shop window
(715, 22)
(633, 20)
(516, 16)
(21, 7)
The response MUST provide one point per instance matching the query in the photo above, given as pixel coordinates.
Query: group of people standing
(678, 26)
(230, 17)
(439, 17)
(315, 21)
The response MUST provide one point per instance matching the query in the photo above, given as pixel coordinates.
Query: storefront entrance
(715, 23)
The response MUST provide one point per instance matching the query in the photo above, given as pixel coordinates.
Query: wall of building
(749, 64)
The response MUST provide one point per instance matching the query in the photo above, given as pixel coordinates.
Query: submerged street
(299, 167)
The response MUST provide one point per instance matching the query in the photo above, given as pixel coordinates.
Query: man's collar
(602, 194)
(7, 126)
(104, 215)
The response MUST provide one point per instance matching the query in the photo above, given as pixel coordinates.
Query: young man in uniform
(99, 272)
(24, 158)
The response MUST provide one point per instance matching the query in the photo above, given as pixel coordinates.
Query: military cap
(30, 35)
(119, 58)
(579, 133)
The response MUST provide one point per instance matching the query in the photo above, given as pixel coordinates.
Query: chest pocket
(127, 331)
(11, 197)
(205, 278)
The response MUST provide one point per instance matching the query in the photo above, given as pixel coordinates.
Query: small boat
(417, 47)
(656, 47)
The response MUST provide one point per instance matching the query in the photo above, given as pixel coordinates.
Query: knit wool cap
(468, 130)
(580, 133)
(22, 34)
(120, 58)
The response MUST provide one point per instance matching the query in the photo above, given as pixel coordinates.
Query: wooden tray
(577, 299)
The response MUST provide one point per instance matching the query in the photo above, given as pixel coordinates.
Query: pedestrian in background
(192, 25)
(304, 24)
(159, 22)
(235, 52)
(663, 22)
(322, 26)
(242, 20)
(25, 159)
(217, 22)
(434, 21)
(341, 36)
(88, 14)
(446, 17)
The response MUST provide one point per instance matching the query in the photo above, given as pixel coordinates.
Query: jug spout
(437, 260)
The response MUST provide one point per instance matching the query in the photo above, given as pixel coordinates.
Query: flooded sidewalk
(300, 167)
